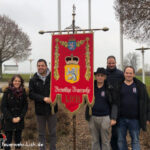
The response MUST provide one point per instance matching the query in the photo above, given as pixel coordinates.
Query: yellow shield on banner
(72, 73)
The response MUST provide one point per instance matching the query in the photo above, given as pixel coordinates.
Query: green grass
(26, 77)
(7, 77)
(147, 79)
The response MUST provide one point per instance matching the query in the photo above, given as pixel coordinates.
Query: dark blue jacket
(114, 76)
(144, 102)
(113, 104)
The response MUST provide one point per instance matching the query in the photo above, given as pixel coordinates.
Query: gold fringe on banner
(85, 100)
(56, 65)
(90, 111)
(58, 98)
(87, 61)
(52, 110)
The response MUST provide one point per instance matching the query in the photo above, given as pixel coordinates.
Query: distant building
(10, 68)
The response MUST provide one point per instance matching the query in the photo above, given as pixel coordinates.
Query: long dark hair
(13, 78)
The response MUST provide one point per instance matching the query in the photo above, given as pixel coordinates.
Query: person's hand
(113, 122)
(16, 119)
(148, 122)
(47, 100)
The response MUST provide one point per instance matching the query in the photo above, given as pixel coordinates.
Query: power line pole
(89, 14)
(142, 49)
(121, 43)
(59, 15)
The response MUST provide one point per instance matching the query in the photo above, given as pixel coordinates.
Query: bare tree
(131, 59)
(14, 43)
(135, 15)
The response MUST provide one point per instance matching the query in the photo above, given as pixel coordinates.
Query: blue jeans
(131, 125)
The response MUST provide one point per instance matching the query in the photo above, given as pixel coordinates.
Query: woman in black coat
(14, 107)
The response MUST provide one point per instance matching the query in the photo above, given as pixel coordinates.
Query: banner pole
(73, 29)
(74, 116)
(74, 132)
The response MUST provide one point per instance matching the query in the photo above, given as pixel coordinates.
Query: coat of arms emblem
(72, 69)
(72, 44)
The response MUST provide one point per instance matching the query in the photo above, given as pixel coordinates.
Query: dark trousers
(114, 138)
(17, 138)
(50, 120)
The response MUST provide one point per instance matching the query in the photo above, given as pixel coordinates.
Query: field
(7, 77)
(26, 77)
(147, 79)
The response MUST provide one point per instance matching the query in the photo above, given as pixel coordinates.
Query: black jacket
(144, 103)
(37, 91)
(113, 104)
(114, 76)
(13, 107)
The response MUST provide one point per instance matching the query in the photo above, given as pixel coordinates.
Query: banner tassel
(90, 111)
(52, 111)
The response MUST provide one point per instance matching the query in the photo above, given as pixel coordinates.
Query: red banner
(72, 70)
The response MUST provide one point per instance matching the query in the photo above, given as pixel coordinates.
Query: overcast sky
(35, 15)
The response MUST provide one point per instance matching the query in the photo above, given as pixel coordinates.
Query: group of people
(121, 101)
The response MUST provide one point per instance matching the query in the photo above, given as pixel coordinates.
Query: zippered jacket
(38, 89)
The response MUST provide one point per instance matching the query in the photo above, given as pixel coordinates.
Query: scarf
(17, 92)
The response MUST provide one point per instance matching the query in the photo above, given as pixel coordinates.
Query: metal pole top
(142, 49)
(73, 28)
(78, 30)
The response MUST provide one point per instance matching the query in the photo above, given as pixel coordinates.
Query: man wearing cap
(104, 113)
